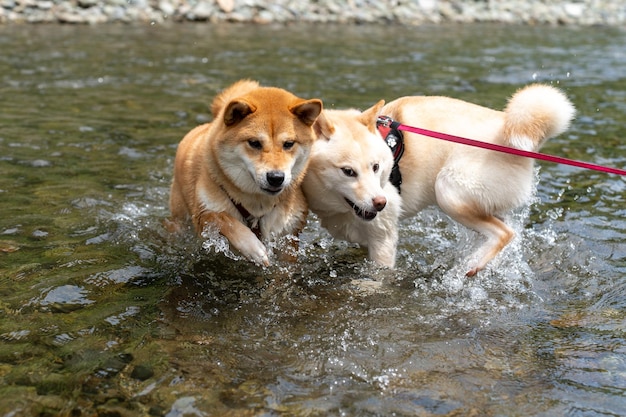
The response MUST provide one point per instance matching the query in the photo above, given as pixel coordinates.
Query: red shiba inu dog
(242, 172)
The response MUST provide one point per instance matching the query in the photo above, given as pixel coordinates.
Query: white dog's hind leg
(498, 234)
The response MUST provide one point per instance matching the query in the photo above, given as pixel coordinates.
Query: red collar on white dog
(388, 129)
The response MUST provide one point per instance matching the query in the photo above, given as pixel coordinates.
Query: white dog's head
(350, 164)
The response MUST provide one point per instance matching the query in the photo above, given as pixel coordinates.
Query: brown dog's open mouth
(364, 214)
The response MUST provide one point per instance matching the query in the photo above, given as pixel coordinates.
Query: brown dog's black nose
(379, 202)
(275, 178)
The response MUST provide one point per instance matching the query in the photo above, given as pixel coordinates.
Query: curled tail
(534, 114)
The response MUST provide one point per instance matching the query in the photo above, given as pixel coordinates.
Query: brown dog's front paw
(172, 226)
(253, 249)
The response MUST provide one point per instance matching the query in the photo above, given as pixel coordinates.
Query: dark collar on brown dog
(394, 138)
(253, 223)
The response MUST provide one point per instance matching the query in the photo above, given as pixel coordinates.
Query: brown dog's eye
(375, 167)
(255, 144)
(349, 172)
(288, 145)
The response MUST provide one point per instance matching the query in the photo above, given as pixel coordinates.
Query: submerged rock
(142, 372)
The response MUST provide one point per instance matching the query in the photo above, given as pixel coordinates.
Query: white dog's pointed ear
(369, 116)
(323, 127)
(236, 111)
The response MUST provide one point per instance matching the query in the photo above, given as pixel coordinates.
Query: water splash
(214, 242)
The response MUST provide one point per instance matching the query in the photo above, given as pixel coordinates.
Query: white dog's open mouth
(364, 214)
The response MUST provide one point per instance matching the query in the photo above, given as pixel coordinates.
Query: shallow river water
(103, 313)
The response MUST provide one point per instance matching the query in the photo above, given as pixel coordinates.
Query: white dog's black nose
(275, 178)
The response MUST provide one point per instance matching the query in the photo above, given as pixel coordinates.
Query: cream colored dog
(347, 185)
(242, 173)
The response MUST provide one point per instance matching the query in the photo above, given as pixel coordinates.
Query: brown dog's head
(265, 136)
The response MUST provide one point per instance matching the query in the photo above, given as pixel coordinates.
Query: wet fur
(473, 186)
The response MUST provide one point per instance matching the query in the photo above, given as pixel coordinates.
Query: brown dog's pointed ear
(307, 111)
(323, 127)
(369, 116)
(236, 111)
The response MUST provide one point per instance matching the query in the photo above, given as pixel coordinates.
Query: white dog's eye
(255, 144)
(349, 172)
(376, 167)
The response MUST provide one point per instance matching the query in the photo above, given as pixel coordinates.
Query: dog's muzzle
(275, 181)
(362, 213)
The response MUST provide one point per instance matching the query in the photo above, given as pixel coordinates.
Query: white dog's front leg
(382, 243)
(382, 232)
(383, 253)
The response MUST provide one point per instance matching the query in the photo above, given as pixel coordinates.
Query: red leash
(499, 148)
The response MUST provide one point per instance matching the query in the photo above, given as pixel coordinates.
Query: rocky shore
(554, 12)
